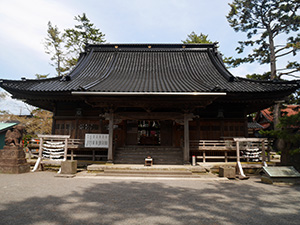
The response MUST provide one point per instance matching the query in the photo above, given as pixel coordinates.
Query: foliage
(264, 21)
(54, 47)
(194, 38)
(41, 76)
(65, 47)
(40, 121)
(84, 33)
(3, 95)
(288, 131)
(294, 98)
(255, 76)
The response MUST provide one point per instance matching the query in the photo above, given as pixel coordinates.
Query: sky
(23, 28)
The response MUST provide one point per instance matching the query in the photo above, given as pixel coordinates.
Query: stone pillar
(111, 133)
(186, 150)
(12, 160)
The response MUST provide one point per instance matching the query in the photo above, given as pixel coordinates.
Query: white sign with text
(96, 140)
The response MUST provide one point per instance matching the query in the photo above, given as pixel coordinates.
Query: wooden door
(132, 132)
(166, 133)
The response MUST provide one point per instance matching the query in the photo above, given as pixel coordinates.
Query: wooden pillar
(53, 121)
(263, 153)
(186, 150)
(111, 133)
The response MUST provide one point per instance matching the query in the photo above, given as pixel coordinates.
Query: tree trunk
(276, 114)
(272, 57)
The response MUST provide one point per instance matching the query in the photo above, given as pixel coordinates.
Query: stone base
(280, 180)
(69, 167)
(226, 171)
(12, 160)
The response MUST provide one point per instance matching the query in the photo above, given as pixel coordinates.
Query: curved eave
(149, 93)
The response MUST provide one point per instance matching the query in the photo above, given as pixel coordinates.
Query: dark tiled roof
(149, 68)
(254, 125)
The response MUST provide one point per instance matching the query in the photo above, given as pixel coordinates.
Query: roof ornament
(66, 78)
(217, 88)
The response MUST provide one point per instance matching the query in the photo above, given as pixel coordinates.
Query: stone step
(147, 152)
(137, 155)
(157, 157)
(146, 172)
(141, 159)
(150, 147)
(142, 162)
(141, 169)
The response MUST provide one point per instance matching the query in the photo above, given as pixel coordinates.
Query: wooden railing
(213, 149)
(75, 149)
(223, 149)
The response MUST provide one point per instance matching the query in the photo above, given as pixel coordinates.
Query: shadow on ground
(135, 202)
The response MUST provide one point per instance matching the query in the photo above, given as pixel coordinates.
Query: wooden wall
(67, 121)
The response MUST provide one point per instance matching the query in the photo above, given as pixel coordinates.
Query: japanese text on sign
(96, 141)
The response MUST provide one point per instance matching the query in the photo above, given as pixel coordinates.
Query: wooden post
(111, 133)
(94, 155)
(41, 147)
(66, 149)
(239, 165)
(263, 152)
(38, 161)
(186, 151)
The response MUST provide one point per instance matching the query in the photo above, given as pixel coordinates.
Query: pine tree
(54, 46)
(194, 38)
(77, 38)
(264, 21)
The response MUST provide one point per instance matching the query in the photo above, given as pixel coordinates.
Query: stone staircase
(160, 155)
(122, 170)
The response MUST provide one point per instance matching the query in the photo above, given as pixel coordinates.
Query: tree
(54, 47)
(264, 21)
(194, 38)
(3, 95)
(65, 47)
(77, 38)
(289, 132)
(39, 122)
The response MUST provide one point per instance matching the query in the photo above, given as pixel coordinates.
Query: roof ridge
(150, 46)
(30, 80)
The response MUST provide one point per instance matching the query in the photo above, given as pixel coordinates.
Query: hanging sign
(96, 140)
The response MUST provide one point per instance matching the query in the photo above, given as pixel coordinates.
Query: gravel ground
(41, 198)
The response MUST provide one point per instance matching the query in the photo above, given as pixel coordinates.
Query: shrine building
(150, 98)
